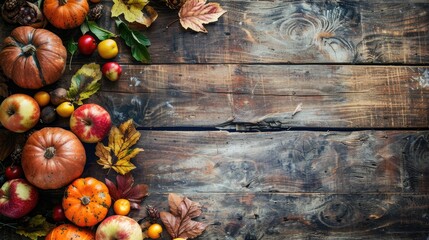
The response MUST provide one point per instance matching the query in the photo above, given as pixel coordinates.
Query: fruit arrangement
(52, 155)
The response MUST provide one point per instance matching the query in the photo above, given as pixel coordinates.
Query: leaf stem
(171, 23)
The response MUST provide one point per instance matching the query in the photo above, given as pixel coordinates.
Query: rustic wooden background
(218, 122)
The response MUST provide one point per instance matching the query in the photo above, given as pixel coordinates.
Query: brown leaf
(178, 222)
(9, 141)
(126, 189)
(194, 13)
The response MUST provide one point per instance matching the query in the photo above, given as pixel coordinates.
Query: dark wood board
(219, 120)
(265, 97)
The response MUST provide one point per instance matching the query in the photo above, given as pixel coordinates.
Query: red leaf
(126, 189)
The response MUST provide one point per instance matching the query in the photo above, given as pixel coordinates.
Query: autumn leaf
(194, 13)
(35, 228)
(178, 222)
(134, 11)
(118, 154)
(126, 189)
(84, 83)
(10, 141)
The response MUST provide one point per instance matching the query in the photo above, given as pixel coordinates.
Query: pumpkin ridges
(70, 232)
(62, 168)
(30, 70)
(92, 213)
(67, 16)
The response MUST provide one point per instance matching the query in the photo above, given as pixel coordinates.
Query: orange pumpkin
(86, 201)
(66, 14)
(32, 57)
(52, 157)
(70, 232)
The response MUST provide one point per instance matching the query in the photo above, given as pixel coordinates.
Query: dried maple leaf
(194, 13)
(178, 221)
(118, 154)
(126, 189)
(134, 11)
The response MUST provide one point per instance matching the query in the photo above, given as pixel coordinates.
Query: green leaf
(84, 83)
(36, 227)
(141, 38)
(84, 28)
(136, 40)
(99, 32)
(71, 48)
(140, 53)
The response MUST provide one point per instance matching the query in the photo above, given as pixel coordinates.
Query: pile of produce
(39, 155)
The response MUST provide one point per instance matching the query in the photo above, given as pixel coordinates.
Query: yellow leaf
(134, 11)
(123, 166)
(118, 154)
(131, 135)
(194, 13)
(103, 153)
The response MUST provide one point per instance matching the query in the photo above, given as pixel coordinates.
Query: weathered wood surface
(353, 65)
(252, 97)
(326, 185)
(296, 32)
(285, 162)
(291, 32)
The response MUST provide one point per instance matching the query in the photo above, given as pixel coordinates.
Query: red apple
(19, 112)
(17, 198)
(118, 227)
(112, 71)
(90, 122)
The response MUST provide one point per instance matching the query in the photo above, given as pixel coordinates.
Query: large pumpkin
(52, 157)
(32, 57)
(70, 232)
(66, 14)
(86, 201)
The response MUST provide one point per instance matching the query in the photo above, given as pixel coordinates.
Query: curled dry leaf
(194, 13)
(126, 189)
(178, 221)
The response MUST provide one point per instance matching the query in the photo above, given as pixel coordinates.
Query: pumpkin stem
(49, 152)
(85, 200)
(29, 49)
(63, 2)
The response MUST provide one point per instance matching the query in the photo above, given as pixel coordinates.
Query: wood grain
(294, 32)
(286, 32)
(308, 216)
(286, 162)
(264, 97)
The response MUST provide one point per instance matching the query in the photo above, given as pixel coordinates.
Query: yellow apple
(19, 112)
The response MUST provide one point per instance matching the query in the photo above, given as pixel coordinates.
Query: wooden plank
(250, 97)
(273, 216)
(301, 216)
(295, 32)
(288, 32)
(286, 162)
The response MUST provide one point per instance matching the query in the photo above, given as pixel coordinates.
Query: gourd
(52, 157)
(86, 201)
(70, 232)
(66, 14)
(33, 57)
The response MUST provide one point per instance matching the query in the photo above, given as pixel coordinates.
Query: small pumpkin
(86, 201)
(66, 14)
(52, 157)
(33, 57)
(70, 232)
